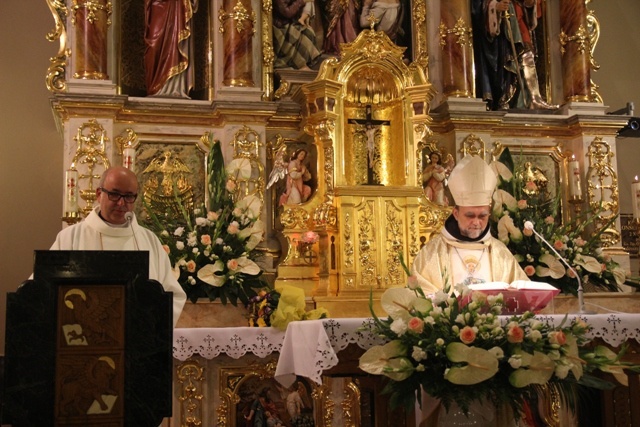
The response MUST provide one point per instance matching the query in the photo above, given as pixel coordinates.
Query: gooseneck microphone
(129, 217)
(529, 226)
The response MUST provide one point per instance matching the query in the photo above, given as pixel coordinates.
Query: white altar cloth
(307, 348)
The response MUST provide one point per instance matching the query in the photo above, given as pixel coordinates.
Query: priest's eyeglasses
(114, 196)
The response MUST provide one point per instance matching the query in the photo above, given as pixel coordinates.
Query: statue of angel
(296, 173)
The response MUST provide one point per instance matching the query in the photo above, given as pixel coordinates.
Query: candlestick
(71, 194)
(129, 157)
(635, 197)
(575, 188)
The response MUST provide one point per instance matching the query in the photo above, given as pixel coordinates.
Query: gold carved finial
(372, 20)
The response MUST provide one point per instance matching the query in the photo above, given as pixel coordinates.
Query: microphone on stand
(129, 217)
(529, 226)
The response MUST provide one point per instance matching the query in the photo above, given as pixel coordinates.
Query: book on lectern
(518, 296)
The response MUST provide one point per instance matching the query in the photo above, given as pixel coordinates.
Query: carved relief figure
(168, 51)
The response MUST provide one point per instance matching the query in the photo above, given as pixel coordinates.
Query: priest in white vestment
(464, 251)
(108, 227)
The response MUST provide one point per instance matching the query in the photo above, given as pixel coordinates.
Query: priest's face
(117, 183)
(472, 220)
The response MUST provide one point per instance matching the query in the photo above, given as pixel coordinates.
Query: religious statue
(434, 176)
(505, 53)
(297, 175)
(168, 55)
(294, 40)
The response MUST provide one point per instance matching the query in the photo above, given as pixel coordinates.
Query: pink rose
(522, 204)
(549, 220)
(205, 239)
(212, 216)
(530, 270)
(233, 228)
(557, 337)
(558, 245)
(166, 248)
(515, 334)
(467, 335)
(416, 325)
(191, 266)
(232, 264)
(579, 241)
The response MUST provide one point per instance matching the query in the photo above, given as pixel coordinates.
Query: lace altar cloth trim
(310, 347)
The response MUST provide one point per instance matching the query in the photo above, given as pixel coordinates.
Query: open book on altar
(519, 296)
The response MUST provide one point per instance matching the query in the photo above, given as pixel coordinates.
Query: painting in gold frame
(243, 388)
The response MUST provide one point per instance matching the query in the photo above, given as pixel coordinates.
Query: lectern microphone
(529, 226)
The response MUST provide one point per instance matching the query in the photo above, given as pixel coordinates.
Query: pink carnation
(527, 232)
(522, 204)
(205, 239)
(549, 220)
(558, 245)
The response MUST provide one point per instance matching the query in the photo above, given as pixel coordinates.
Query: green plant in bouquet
(520, 198)
(465, 353)
(212, 248)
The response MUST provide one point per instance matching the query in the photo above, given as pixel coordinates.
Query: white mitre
(472, 182)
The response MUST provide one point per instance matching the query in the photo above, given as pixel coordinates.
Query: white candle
(71, 194)
(575, 189)
(129, 158)
(635, 197)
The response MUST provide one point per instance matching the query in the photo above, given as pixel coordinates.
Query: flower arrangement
(262, 306)
(212, 249)
(522, 197)
(469, 353)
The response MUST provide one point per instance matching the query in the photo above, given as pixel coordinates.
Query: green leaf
(480, 364)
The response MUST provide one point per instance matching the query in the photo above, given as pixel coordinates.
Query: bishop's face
(472, 220)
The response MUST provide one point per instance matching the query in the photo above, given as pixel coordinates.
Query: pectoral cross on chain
(371, 126)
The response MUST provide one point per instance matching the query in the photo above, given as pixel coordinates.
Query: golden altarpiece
(367, 119)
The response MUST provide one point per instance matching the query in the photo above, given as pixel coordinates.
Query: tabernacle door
(88, 342)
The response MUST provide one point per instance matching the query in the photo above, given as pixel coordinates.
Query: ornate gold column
(576, 51)
(91, 19)
(456, 41)
(237, 26)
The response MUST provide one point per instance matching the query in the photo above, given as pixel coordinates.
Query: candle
(575, 189)
(71, 195)
(635, 197)
(129, 158)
